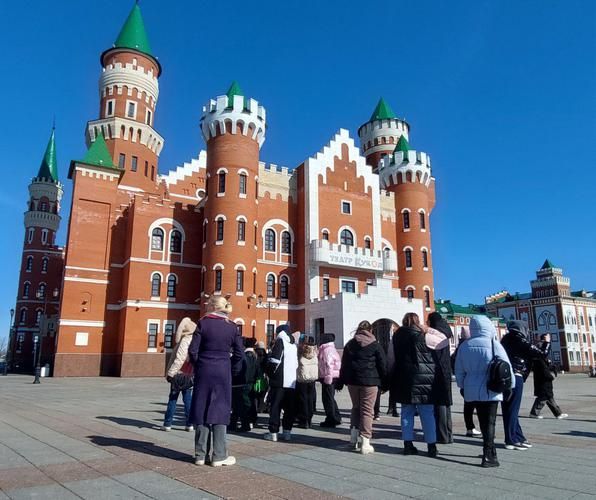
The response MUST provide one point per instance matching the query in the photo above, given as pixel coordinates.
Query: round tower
(233, 127)
(407, 173)
(129, 89)
(379, 135)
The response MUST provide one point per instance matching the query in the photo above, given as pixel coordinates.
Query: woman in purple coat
(216, 351)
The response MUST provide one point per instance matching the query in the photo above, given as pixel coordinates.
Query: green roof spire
(133, 34)
(232, 91)
(383, 111)
(402, 145)
(49, 165)
(98, 154)
(548, 265)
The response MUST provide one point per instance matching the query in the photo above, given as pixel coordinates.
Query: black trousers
(487, 418)
(443, 423)
(469, 415)
(282, 399)
(550, 402)
(332, 415)
(305, 401)
(240, 407)
(392, 405)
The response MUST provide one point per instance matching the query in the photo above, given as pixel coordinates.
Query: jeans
(281, 399)
(363, 402)
(427, 418)
(487, 418)
(513, 431)
(332, 415)
(171, 409)
(210, 443)
(550, 402)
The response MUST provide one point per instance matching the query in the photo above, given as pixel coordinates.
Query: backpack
(499, 374)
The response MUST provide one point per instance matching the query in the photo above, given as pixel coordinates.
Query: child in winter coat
(180, 374)
(306, 376)
(329, 367)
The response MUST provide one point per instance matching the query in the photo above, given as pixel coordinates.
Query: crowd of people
(227, 380)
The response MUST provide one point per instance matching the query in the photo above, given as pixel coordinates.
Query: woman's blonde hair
(217, 303)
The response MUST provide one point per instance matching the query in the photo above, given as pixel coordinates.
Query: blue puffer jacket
(473, 358)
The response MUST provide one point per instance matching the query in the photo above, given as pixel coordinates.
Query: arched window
(172, 282)
(157, 239)
(219, 230)
(218, 278)
(406, 219)
(155, 285)
(367, 242)
(242, 183)
(221, 182)
(41, 291)
(26, 290)
(239, 280)
(29, 265)
(23, 315)
(408, 254)
(38, 316)
(283, 287)
(427, 298)
(422, 220)
(270, 240)
(44, 265)
(410, 293)
(346, 238)
(271, 286)
(176, 241)
(286, 242)
(424, 258)
(325, 235)
(241, 230)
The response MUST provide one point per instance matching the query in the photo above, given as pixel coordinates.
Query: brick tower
(233, 127)
(41, 267)
(407, 174)
(129, 90)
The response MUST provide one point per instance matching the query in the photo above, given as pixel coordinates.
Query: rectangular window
(427, 298)
(152, 335)
(171, 288)
(325, 287)
(110, 108)
(121, 161)
(221, 182)
(218, 280)
(410, 293)
(242, 184)
(241, 230)
(346, 207)
(270, 332)
(348, 286)
(148, 119)
(220, 230)
(152, 172)
(168, 335)
(239, 280)
(146, 168)
(406, 217)
(408, 258)
(134, 164)
(131, 110)
(422, 220)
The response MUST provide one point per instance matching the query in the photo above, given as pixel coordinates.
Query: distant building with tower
(344, 236)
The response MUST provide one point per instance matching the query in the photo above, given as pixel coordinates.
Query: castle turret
(129, 90)
(379, 135)
(407, 173)
(233, 127)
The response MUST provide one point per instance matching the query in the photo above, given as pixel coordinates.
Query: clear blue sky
(501, 94)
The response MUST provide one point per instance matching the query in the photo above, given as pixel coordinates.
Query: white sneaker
(533, 415)
(473, 433)
(562, 416)
(366, 447)
(190, 428)
(199, 461)
(228, 461)
(526, 444)
(166, 428)
(270, 436)
(286, 435)
(516, 446)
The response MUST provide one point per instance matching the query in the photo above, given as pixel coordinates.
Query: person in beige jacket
(180, 374)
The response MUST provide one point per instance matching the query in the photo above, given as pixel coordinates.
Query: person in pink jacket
(329, 365)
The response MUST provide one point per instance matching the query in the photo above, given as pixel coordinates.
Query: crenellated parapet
(405, 166)
(234, 115)
(140, 82)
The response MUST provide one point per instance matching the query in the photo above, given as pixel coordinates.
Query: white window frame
(113, 103)
(30, 234)
(135, 104)
(165, 323)
(148, 120)
(348, 279)
(44, 236)
(341, 207)
(153, 322)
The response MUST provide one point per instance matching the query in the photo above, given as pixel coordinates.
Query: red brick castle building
(344, 236)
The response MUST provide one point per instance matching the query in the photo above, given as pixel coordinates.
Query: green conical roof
(402, 145)
(98, 154)
(383, 111)
(548, 265)
(232, 91)
(133, 34)
(49, 165)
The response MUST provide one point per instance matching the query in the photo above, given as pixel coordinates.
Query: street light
(8, 346)
(37, 341)
(269, 305)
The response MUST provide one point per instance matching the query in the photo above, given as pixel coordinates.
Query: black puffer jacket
(520, 351)
(414, 373)
(442, 357)
(363, 361)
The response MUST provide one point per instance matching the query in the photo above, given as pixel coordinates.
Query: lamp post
(269, 305)
(8, 346)
(38, 345)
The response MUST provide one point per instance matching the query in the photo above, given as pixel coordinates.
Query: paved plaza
(100, 438)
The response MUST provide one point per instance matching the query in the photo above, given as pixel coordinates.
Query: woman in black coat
(442, 382)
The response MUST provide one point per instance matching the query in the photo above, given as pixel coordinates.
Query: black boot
(489, 457)
(432, 450)
(409, 448)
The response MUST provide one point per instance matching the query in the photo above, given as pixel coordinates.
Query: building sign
(360, 261)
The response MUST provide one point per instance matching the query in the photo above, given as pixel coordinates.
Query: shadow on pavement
(577, 434)
(131, 422)
(141, 447)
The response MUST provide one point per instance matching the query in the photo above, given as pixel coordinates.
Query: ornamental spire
(49, 164)
(383, 111)
(133, 34)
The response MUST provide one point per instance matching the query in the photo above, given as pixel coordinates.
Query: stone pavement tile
(103, 489)
(10, 459)
(153, 484)
(545, 492)
(440, 495)
(3, 496)
(337, 486)
(265, 466)
(375, 494)
(53, 492)
(294, 491)
(114, 465)
(64, 473)
(22, 477)
(396, 486)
